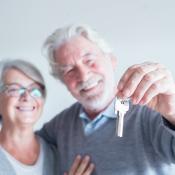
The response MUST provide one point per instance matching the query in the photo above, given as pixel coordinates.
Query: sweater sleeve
(161, 135)
(52, 130)
(47, 132)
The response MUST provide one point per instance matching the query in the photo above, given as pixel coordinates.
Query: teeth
(91, 86)
(25, 108)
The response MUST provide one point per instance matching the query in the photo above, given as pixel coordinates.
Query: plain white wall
(138, 30)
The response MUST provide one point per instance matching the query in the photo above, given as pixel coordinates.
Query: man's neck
(95, 112)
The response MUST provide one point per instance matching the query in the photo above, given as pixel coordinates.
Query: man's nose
(83, 73)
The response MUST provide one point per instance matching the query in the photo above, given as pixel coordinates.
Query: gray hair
(64, 34)
(25, 67)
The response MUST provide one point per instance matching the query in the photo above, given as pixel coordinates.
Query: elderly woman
(22, 97)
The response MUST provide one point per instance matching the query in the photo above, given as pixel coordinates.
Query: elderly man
(85, 64)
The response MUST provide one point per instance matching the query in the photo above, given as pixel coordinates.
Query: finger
(75, 165)
(132, 84)
(130, 70)
(83, 165)
(146, 82)
(125, 77)
(89, 169)
(155, 89)
(133, 76)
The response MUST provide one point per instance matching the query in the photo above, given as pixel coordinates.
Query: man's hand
(150, 84)
(81, 166)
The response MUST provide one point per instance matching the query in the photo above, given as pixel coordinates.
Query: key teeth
(123, 106)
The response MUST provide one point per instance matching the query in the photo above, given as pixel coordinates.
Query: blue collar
(108, 113)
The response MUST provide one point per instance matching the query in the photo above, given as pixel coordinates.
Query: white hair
(64, 34)
(25, 67)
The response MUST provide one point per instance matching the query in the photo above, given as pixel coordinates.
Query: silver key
(121, 107)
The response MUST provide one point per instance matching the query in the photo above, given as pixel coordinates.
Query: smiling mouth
(92, 89)
(91, 86)
(25, 108)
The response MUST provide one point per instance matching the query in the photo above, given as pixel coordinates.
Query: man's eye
(87, 55)
(89, 58)
(68, 72)
(90, 62)
(90, 55)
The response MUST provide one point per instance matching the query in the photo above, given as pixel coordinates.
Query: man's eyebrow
(63, 67)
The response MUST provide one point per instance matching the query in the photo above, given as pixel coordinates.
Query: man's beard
(100, 100)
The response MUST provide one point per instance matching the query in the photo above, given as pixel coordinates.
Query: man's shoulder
(61, 120)
(71, 111)
(47, 147)
(144, 113)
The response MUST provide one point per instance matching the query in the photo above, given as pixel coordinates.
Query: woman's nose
(25, 96)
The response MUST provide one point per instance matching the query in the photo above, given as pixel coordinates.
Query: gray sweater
(49, 167)
(147, 147)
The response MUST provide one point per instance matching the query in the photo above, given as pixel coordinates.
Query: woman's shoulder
(5, 165)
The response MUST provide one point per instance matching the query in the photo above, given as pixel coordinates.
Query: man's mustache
(90, 82)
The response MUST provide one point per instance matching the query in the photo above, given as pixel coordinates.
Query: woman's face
(21, 101)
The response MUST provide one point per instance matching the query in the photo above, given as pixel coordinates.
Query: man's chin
(94, 103)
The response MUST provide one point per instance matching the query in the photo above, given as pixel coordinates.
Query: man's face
(87, 72)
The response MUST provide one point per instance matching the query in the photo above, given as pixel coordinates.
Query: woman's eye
(12, 90)
(35, 92)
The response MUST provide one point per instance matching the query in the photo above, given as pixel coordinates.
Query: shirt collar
(109, 112)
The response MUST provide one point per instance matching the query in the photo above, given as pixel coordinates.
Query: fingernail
(78, 156)
(134, 101)
(120, 95)
(142, 102)
(120, 86)
(126, 92)
(87, 157)
(92, 166)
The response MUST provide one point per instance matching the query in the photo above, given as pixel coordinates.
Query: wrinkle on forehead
(73, 49)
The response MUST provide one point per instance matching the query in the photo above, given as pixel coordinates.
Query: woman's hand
(81, 166)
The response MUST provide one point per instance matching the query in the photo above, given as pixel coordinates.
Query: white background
(138, 30)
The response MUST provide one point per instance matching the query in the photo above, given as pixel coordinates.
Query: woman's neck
(21, 143)
(16, 135)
